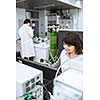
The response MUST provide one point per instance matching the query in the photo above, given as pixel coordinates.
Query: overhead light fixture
(18, 1)
(44, 6)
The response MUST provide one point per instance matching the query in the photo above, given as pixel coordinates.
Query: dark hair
(73, 38)
(26, 21)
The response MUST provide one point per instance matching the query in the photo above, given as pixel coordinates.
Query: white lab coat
(27, 45)
(74, 63)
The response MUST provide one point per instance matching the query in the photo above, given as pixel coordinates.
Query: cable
(60, 67)
(46, 92)
(47, 62)
(57, 71)
(52, 56)
(20, 96)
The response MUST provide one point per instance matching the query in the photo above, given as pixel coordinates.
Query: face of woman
(69, 48)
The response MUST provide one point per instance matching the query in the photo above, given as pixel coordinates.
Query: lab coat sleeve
(30, 32)
(64, 61)
(63, 56)
(64, 66)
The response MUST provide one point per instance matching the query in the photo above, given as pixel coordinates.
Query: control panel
(28, 83)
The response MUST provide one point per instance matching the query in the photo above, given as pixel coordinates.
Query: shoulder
(29, 28)
(26, 26)
(63, 52)
(79, 58)
(63, 56)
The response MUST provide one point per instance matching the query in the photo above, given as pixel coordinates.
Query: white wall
(20, 17)
(80, 17)
(43, 22)
(77, 17)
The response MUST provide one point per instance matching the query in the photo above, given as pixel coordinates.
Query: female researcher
(72, 55)
(26, 35)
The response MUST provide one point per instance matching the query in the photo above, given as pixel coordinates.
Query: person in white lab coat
(72, 54)
(27, 45)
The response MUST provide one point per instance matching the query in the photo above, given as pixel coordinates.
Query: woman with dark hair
(72, 55)
(73, 39)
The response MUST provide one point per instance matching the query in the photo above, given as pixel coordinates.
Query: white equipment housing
(26, 79)
(42, 52)
(68, 86)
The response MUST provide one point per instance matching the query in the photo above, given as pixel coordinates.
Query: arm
(30, 32)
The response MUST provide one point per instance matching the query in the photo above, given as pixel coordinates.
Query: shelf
(80, 30)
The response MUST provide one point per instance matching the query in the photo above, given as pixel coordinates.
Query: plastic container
(41, 51)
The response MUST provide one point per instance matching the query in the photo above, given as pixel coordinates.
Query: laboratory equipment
(27, 79)
(68, 86)
(41, 51)
(53, 42)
